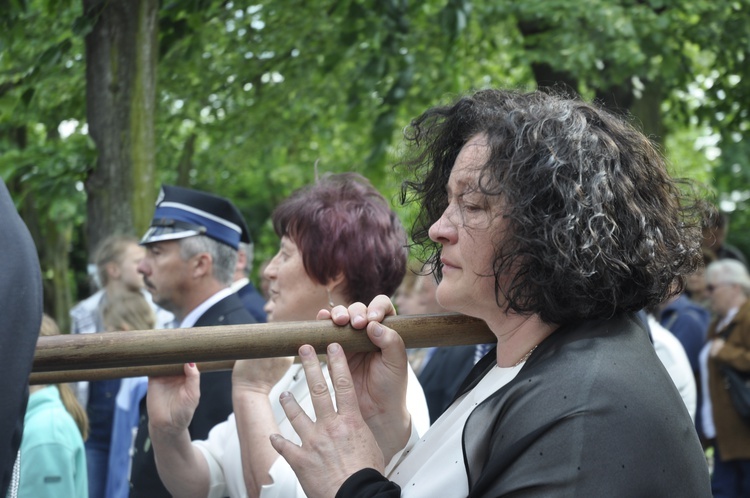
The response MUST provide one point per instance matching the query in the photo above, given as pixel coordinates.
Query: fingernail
(377, 330)
(333, 348)
(191, 365)
(359, 319)
(338, 315)
(306, 350)
(285, 396)
(372, 314)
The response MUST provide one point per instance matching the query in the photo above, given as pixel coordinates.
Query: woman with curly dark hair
(553, 221)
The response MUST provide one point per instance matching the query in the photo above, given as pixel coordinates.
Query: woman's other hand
(259, 375)
(338, 443)
(379, 378)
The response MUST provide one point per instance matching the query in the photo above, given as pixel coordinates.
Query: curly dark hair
(342, 225)
(598, 225)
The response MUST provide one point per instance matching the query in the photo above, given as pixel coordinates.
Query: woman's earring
(330, 300)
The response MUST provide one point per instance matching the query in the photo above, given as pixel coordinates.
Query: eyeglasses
(712, 287)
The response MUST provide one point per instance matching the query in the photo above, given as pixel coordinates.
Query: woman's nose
(443, 231)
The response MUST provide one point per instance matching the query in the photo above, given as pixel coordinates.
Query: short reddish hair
(342, 225)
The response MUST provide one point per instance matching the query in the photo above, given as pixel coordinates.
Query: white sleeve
(285, 483)
(212, 449)
(415, 435)
(673, 357)
(417, 404)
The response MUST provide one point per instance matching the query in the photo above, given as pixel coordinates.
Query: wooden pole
(91, 374)
(162, 352)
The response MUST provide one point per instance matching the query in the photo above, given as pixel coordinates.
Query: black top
(214, 407)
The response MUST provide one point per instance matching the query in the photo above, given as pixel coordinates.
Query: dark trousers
(731, 479)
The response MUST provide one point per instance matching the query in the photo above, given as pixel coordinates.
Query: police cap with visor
(183, 212)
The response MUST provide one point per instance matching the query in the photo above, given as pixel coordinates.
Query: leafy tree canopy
(251, 97)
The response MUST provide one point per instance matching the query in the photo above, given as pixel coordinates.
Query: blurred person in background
(251, 298)
(53, 458)
(124, 312)
(116, 259)
(715, 230)
(728, 344)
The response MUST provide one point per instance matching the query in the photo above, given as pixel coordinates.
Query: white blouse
(222, 449)
(434, 464)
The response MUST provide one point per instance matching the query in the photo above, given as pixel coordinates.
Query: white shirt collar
(239, 284)
(194, 315)
(727, 318)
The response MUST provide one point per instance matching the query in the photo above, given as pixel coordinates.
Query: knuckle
(343, 383)
(319, 389)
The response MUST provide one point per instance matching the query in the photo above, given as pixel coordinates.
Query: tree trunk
(121, 59)
(51, 238)
(617, 98)
(647, 108)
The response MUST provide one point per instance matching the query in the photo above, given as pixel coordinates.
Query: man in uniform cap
(191, 253)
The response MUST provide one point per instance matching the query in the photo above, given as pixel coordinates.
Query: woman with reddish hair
(340, 242)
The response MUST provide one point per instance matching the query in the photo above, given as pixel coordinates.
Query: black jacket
(214, 407)
(593, 412)
(21, 299)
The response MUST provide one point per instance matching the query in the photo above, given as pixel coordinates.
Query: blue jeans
(97, 463)
(731, 479)
(100, 410)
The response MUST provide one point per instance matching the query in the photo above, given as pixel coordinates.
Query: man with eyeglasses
(191, 254)
(728, 344)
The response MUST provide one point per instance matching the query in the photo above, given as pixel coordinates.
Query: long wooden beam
(66, 358)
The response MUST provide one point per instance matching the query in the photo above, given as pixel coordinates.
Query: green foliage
(252, 97)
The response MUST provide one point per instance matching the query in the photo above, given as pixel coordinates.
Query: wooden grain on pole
(142, 348)
(93, 374)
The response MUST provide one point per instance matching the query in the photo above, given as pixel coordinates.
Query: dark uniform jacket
(214, 407)
(593, 412)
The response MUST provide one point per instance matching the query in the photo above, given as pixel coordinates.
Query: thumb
(388, 340)
(193, 380)
(283, 447)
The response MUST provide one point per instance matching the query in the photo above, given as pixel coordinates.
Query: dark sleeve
(21, 298)
(215, 404)
(692, 335)
(368, 483)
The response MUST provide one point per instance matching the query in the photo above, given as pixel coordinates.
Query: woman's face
(293, 295)
(468, 230)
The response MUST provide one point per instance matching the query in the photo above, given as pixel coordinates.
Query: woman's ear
(336, 288)
(336, 283)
